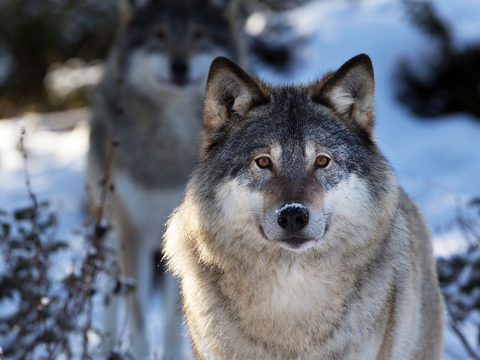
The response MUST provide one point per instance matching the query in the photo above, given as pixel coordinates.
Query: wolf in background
(294, 240)
(162, 57)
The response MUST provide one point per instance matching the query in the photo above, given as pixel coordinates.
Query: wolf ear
(127, 8)
(349, 91)
(231, 94)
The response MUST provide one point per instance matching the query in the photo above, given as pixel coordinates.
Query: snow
(291, 205)
(436, 162)
(56, 160)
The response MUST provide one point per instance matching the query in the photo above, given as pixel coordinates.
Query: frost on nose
(292, 217)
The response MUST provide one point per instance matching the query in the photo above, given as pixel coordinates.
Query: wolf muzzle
(292, 217)
(179, 69)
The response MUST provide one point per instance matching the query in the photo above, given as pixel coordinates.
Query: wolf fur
(161, 61)
(314, 253)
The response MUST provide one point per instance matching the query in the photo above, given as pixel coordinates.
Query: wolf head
(168, 45)
(292, 166)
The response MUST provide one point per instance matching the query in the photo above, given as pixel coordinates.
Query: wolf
(294, 239)
(151, 98)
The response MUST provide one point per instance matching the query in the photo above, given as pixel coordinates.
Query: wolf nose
(292, 217)
(179, 71)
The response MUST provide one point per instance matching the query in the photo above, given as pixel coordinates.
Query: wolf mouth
(295, 242)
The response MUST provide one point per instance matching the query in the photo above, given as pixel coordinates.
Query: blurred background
(426, 56)
(51, 52)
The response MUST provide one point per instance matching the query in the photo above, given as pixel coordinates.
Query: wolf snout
(179, 69)
(292, 217)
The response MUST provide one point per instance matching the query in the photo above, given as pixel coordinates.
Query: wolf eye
(263, 162)
(322, 161)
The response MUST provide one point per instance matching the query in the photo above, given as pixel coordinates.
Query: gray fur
(155, 75)
(362, 284)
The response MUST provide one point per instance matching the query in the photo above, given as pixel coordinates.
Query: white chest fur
(148, 209)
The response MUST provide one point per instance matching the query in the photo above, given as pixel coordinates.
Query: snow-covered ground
(437, 162)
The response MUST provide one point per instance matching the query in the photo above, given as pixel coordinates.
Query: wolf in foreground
(162, 58)
(294, 240)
